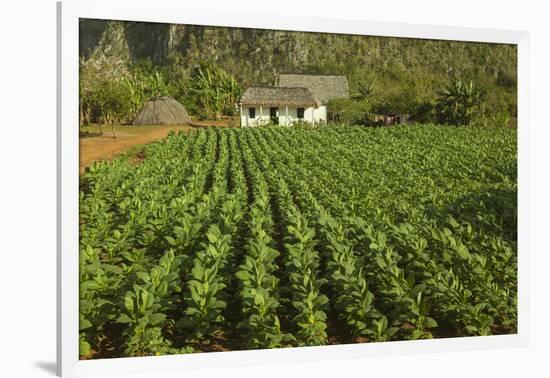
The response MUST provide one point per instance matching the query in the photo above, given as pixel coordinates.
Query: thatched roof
(323, 87)
(278, 96)
(162, 111)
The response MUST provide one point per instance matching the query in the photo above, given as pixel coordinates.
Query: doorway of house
(273, 115)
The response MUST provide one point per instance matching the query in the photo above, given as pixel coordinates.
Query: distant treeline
(386, 75)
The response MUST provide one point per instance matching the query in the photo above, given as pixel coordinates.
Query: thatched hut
(162, 111)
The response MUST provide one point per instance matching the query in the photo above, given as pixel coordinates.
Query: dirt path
(106, 147)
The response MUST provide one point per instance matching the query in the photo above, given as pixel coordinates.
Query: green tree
(112, 100)
(348, 111)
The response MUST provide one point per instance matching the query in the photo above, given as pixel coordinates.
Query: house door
(274, 115)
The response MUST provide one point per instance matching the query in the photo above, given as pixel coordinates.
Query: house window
(252, 112)
(273, 116)
(300, 113)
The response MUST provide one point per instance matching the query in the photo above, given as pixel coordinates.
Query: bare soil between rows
(105, 147)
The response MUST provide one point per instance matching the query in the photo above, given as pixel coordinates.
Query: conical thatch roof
(162, 111)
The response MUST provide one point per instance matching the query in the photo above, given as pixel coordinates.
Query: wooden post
(287, 116)
(241, 117)
(261, 114)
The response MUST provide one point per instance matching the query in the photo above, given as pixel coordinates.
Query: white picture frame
(170, 11)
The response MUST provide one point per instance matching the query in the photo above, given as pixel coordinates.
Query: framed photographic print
(240, 188)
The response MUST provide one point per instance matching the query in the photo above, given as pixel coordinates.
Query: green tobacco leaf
(123, 318)
(84, 347)
(156, 319)
(171, 240)
(129, 301)
(430, 323)
(84, 324)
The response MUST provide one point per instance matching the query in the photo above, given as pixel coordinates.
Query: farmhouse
(297, 97)
(278, 105)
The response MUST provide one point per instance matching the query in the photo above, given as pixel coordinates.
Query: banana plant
(217, 90)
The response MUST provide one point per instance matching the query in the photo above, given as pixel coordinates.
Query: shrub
(117, 98)
(350, 111)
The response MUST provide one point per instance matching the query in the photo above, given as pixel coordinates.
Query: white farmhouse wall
(285, 120)
(319, 114)
(262, 115)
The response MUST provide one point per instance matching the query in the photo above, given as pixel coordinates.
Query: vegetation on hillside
(395, 75)
(110, 99)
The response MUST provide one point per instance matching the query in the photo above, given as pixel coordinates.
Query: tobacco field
(230, 239)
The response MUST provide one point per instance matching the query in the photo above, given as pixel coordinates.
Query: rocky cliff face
(401, 66)
(105, 47)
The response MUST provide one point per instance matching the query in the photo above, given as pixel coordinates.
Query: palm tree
(364, 91)
(458, 102)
